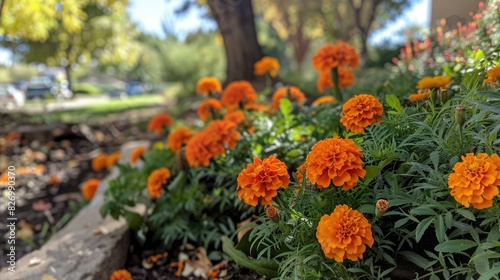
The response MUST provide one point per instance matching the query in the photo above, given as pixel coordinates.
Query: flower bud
(443, 95)
(381, 207)
(272, 213)
(433, 96)
(460, 115)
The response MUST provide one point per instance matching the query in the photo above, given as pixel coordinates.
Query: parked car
(134, 88)
(10, 97)
(43, 86)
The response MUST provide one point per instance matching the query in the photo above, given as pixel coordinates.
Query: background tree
(105, 35)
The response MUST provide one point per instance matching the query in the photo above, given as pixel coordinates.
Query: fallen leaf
(25, 230)
(242, 232)
(41, 206)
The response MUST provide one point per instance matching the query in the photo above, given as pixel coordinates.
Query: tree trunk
(67, 69)
(235, 19)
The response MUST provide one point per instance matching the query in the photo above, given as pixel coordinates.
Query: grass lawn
(97, 113)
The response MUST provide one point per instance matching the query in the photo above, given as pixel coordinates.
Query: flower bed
(370, 186)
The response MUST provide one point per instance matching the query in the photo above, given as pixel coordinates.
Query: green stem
(335, 78)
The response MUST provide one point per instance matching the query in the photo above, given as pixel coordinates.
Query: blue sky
(149, 15)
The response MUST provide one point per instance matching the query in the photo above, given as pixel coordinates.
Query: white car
(10, 97)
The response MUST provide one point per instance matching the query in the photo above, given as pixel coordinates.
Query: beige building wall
(453, 11)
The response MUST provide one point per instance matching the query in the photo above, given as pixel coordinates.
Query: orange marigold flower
(330, 56)
(290, 92)
(225, 133)
(198, 150)
(136, 154)
(344, 234)
(112, 159)
(156, 180)
(415, 97)
(267, 65)
(208, 107)
(121, 274)
(208, 85)
(262, 179)
(100, 162)
(433, 82)
(238, 92)
(211, 142)
(476, 180)
(361, 111)
(335, 159)
(301, 172)
(89, 188)
(235, 116)
(493, 75)
(257, 107)
(328, 99)
(179, 138)
(54, 180)
(158, 122)
(346, 78)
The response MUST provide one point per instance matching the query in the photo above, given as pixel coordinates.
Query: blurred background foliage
(98, 37)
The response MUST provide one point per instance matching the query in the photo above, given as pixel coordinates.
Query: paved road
(50, 106)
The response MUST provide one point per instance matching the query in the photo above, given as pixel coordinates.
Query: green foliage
(86, 88)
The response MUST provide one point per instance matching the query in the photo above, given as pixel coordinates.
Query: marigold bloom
(262, 179)
(238, 92)
(257, 107)
(235, 116)
(344, 234)
(476, 180)
(99, 162)
(54, 180)
(328, 99)
(433, 82)
(224, 132)
(89, 188)
(121, 274)
(415, 97)
(197, 149)
(112, 159)
(493, 75)
(294, 94)
(330, 56)
(208, 107)
(335, 159)
(179, 138)
(136, 154)
(361, 111)
(208, 85)
(158, 122)
(267, 65)
(156, 180)
(346, 78)
(211, 142)
(301, 172)
(272, 213)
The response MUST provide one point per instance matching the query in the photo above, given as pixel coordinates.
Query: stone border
(88, 247)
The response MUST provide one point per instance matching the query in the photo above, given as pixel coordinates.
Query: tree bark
(67, 69)
(235, 19)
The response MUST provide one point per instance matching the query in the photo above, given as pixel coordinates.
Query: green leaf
(134, 220)
(440, 230)
(179, 181)
(455, 246)
(285, 106)
(489, 94)
(422, 226)
(424, 210)
(492, 274)
(479, 55)
(371, 172)
(262, 266)
(293, 153)
(393, 102)
(416, 259)
(435, 159)
(467, 214)
(104, 210)
(391, 180)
